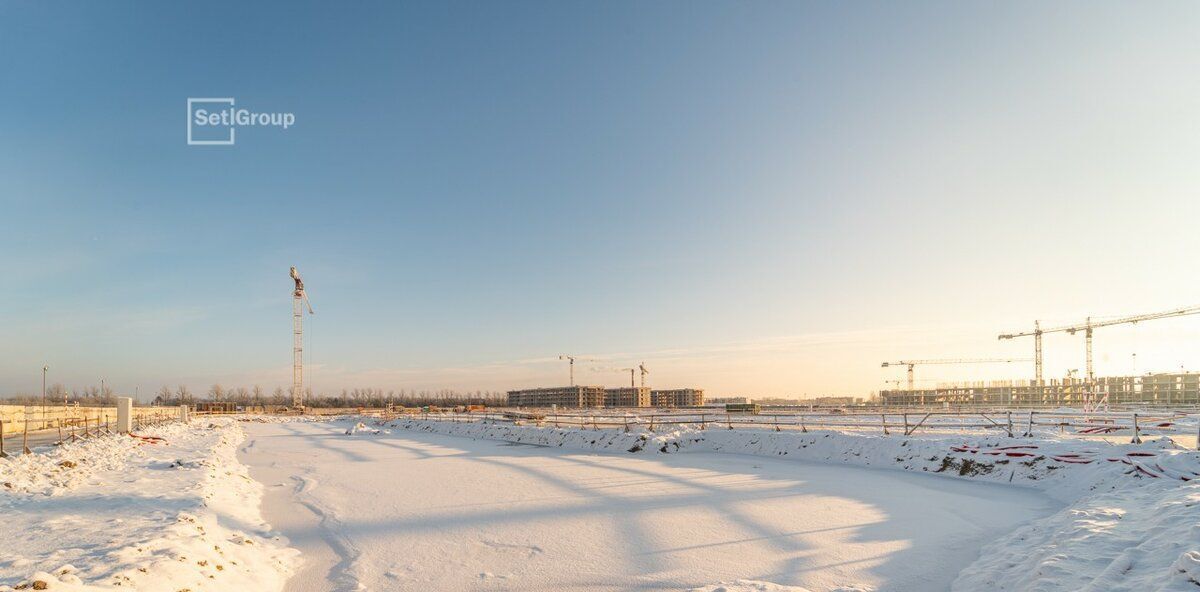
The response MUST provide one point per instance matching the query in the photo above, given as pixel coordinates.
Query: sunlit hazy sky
(757, 198)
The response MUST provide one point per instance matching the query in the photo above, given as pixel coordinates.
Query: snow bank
(171, 510)
(1130, 539)
(756, 586)
(1131, 521)
(1064, 469)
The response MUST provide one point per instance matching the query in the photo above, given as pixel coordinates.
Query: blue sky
(757, 198)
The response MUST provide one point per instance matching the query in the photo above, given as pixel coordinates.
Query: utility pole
(45, 369)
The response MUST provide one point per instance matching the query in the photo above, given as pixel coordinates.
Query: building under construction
(598, 396)
(685, 397)
(562, 396)
(627, 396)
(1149, 389)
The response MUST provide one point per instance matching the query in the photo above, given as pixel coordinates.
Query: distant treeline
(92, 396)
(256, 395)
(359, 397)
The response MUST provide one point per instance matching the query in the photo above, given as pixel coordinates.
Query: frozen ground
(445, 505)
(411, 510)
(172, 510)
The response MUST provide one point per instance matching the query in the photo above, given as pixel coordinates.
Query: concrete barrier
(124, 415)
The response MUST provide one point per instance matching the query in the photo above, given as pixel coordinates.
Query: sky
(755, 198)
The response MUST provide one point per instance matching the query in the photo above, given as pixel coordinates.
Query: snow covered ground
(171, 511)
(1132, 521)
(411, 510)
(430, 505)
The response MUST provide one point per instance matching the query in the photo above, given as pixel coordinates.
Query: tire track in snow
(341, 574)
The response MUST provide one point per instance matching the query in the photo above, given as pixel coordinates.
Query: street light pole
(45, 368)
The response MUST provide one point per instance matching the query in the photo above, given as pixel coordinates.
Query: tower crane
(644, 371)
(572, 359)
(1086, 327)
(912, 363)
(632, 383)
(299, 301)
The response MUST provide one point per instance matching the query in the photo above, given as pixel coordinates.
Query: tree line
(57, 394)
(256, 395)
(359, 397)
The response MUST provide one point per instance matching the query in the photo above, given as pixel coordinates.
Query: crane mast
(571, 359)
(299, 300)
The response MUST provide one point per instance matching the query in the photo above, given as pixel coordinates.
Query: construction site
(1089, 392)
(581, 397)
(599, 397)
(1174, 390)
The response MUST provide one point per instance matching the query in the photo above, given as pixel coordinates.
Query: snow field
(1132, 521)
(119, 512)
(378, 508)
(184, 514)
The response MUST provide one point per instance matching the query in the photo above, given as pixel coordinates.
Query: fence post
(905, 424)
(626, 423)
(704, 425)
(883, 422)
(3, 454)
(729, 420)
(1029, 426)
(803, 428)
(652, 422)
(1137, 433)
(776, 423)
(1008, 414)
(25, 438)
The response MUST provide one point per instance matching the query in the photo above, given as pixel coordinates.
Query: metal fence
(21, 437)
(1113, 426)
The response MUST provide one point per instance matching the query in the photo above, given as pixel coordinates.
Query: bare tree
(240, 394)
(185, 395)
(164, 396)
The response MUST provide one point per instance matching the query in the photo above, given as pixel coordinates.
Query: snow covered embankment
(1132, 520)
(172, 511)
